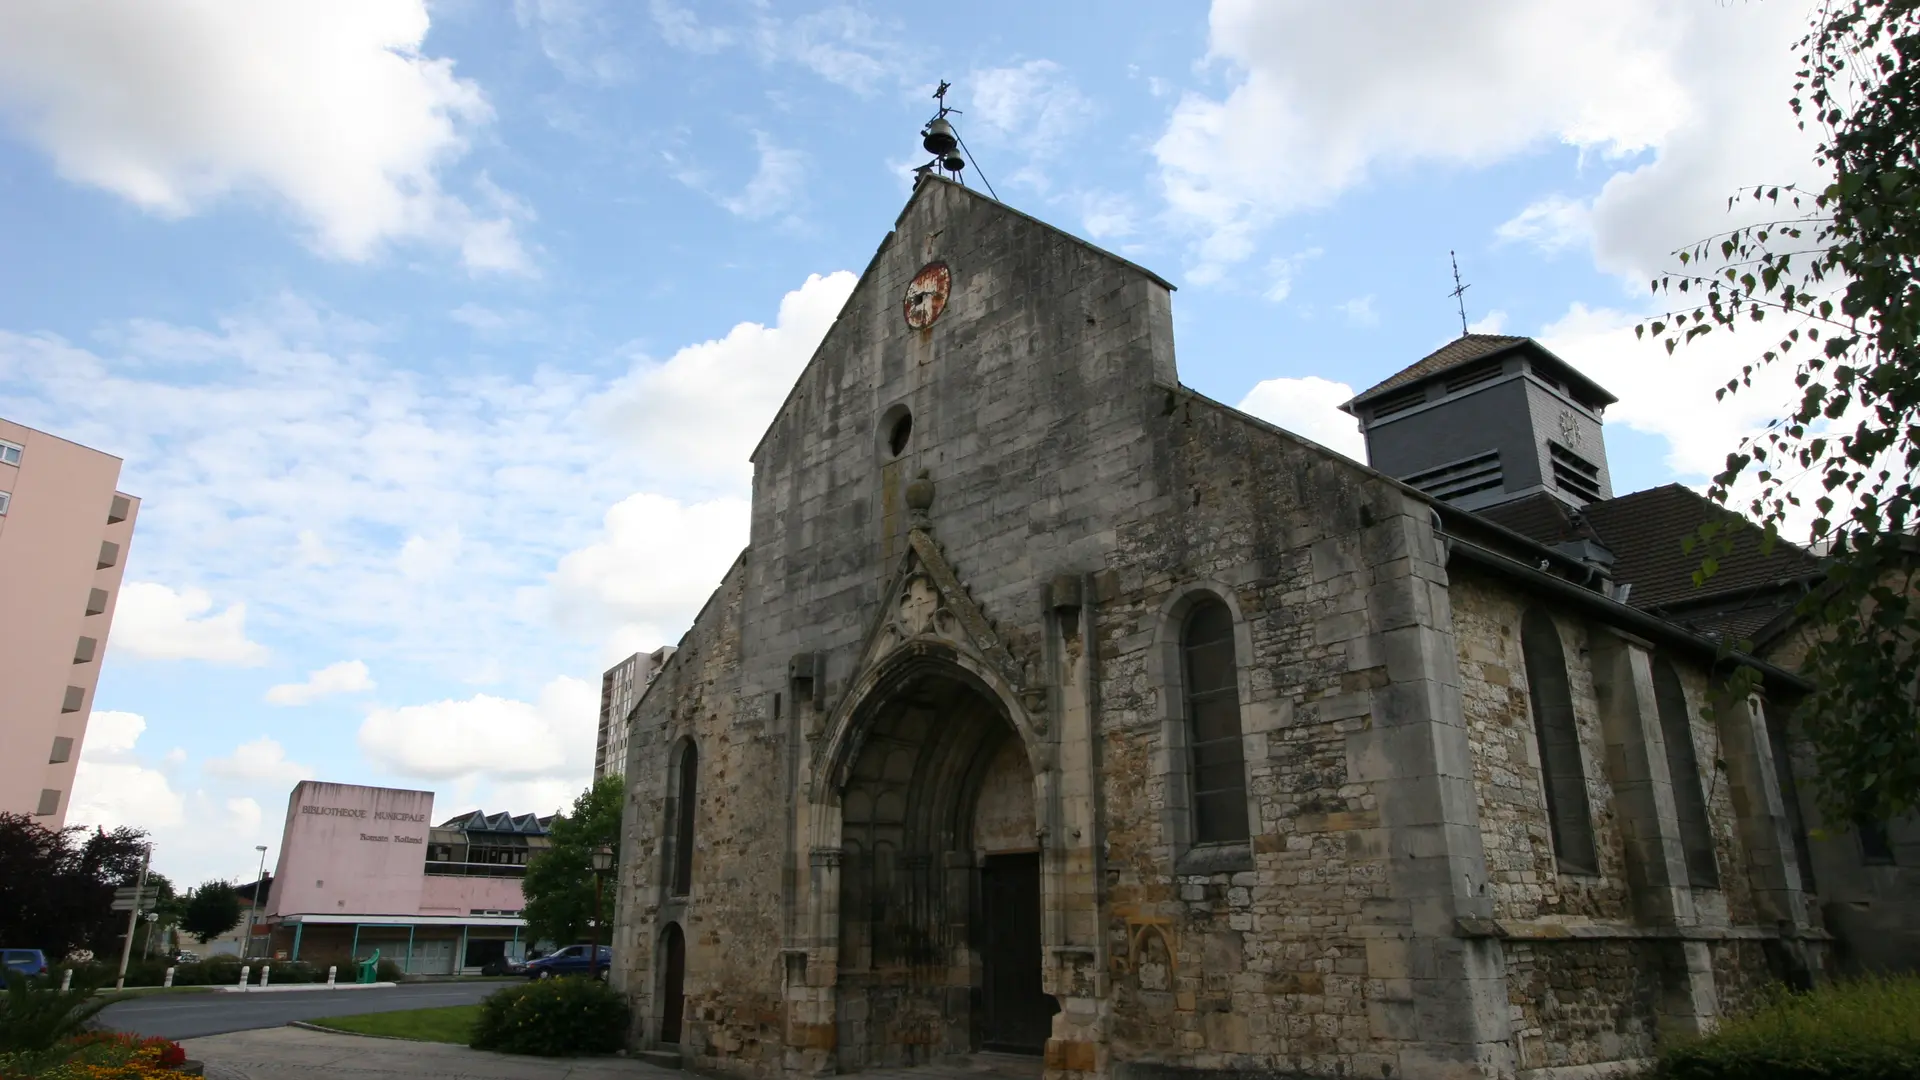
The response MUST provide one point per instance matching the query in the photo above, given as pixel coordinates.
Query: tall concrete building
(620, 690)
(64, 533)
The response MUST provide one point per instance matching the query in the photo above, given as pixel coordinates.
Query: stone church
(1056, 709)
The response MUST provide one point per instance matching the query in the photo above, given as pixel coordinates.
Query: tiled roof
(1464, 349)
(1646, 531)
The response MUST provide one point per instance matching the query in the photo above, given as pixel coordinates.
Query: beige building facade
(64, 535)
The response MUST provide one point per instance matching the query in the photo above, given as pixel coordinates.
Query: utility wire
(976, 164)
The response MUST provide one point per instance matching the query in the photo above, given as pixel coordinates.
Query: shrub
(98, 1056)
(35, 1018)
(552, 1018)
(389, 971)
(1863, 1030)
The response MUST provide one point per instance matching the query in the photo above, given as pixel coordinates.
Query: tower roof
(1468, 348)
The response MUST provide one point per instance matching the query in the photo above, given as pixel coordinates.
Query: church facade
(1056, 709)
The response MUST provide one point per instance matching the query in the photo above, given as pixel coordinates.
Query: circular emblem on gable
(927, 295)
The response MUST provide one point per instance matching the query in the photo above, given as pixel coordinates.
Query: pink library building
(64, 533)
(364, 869)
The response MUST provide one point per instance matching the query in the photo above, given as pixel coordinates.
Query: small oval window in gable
(895, 431)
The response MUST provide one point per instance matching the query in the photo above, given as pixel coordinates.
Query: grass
(453, 1024)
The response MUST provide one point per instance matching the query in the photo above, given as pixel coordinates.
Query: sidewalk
(287, 1053)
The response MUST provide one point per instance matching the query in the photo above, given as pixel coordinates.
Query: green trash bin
(370, 968)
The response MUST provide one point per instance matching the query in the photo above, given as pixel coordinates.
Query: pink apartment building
(365, 868)
(64, 533)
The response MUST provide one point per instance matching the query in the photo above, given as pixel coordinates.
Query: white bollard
(266, 970)
(331, 972)
(168, 981)
(66, 980)
(245, 971)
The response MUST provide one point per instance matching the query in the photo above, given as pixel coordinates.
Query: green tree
(56, 888)
(559, 882)
(1838, 271)
(211, 910)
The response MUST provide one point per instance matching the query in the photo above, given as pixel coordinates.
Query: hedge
(1867, 1029)
(553, 1018)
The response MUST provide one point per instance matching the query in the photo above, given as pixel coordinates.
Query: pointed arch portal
(940, 882)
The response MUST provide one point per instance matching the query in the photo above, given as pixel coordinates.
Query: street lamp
(246, 943)
(602, 862)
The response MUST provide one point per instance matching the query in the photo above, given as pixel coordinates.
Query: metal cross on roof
(1459, 293)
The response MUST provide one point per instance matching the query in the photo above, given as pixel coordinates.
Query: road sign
(131, 898)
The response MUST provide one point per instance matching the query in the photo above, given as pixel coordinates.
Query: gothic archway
(940, 884)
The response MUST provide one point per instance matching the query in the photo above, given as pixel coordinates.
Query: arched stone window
(684, 787)
(1563, 776)
(1211, 680)
(1683, 768)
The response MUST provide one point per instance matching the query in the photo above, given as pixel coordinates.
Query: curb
(304, 1026)
(292, 988)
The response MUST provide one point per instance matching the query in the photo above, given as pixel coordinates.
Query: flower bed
(98, 1056)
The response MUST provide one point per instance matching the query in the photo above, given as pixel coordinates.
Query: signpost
(132, 901)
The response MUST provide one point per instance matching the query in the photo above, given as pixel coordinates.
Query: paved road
(190, 1016)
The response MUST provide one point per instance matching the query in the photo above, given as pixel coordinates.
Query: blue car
(29, 962)
(572, 960)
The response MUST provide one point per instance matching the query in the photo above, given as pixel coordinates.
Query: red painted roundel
(927, 295)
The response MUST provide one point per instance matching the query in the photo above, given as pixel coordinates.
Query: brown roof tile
(1461, 350)
(1646, 531)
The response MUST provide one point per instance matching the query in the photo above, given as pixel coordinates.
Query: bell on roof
(953, 162)
(939, 139)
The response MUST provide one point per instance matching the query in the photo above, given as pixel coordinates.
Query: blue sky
(435, 336)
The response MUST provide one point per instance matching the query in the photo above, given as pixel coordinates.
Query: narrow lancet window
(1683, 769)
(1213, 725)
(1563, 775)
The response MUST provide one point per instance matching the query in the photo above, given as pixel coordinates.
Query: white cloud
(111, 734)
(1323, 97)
(1359, 311)
(112, 794)
(840, 43)
(332, 109)
(1281, 271)
(702, 411)
(1108, 216)
(345, 677)
(310, 550)
(1033, 105)
(775, 183)
(155, 622)
(653, 565)
(1550, 224)
(489, 736)
(1491, 323)
(1308, 407)
(575, 36)
(262, 759)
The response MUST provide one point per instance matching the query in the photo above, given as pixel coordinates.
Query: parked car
(502, 965)
(572, 960)
(186, 956)
(29, 962)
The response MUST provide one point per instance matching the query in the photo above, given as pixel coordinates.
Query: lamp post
(246, 943)
(602, 862)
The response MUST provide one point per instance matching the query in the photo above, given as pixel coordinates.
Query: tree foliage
(559, 882)
(212, 910)
(1830, 283)
(56, 888)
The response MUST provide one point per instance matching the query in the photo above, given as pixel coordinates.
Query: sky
(435, 335)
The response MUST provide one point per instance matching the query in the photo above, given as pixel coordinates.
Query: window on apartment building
(6, 500)
(84, 650)
(1563, 774)
(118, 510)
(9, 453)
(1683, 768)
(96, 601)
(109, 554)
(49, 802)
(1213, 725)
(76, 697)
(62, 751)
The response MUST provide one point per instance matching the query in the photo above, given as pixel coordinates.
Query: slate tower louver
(1487, 419)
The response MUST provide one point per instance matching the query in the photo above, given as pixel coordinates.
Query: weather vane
(1459, 292)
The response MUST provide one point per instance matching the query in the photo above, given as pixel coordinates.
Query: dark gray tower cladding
(1487, 419)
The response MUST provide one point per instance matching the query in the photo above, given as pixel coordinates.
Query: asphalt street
(190, 1016)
